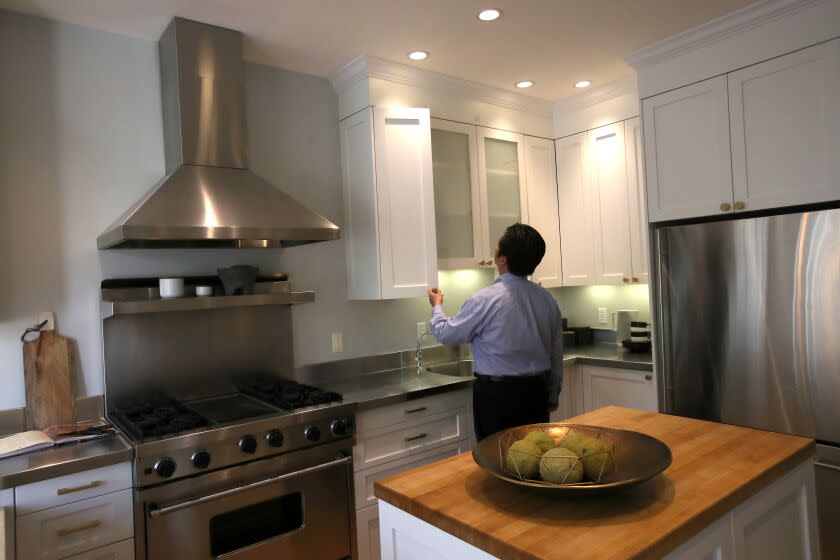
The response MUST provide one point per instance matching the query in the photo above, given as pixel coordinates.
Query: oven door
(294, 508)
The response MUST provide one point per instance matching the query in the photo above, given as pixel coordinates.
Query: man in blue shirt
(515, 330)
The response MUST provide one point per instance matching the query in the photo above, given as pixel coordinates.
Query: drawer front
(408, 411)
(363, 480)
(123, 550)
(409, 438)
(60, 532)
(61, 490)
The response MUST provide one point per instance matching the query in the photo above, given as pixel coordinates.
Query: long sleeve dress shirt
(514, 328)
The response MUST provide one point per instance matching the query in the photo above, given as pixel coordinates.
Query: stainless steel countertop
(62, 460)
(379, 388)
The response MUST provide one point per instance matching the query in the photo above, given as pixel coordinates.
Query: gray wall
(81, 140)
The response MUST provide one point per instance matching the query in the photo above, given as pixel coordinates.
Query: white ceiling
(555, 43)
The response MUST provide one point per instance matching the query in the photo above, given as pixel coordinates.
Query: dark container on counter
(583, 335)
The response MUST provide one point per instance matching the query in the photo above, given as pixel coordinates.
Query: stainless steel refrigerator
(748, 315)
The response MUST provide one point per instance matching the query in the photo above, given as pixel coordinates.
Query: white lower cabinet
(606, 386)
(56, 533)
(123, 550)
(571, 397)
(398, 437)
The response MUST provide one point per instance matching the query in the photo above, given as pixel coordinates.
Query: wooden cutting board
(48, 372)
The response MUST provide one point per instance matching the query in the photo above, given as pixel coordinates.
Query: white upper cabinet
(501, 165)
(611, 218)
(389, 227)
(541, 180)
(785, 121)
(636, 199)
(575, 210)
(458, 210)
(687, 156)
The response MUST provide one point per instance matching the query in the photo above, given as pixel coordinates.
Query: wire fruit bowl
(634, 458)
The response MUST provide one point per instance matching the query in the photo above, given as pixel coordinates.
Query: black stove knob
(274, 438)
(338, 427)
(248, 444)
(201, 459)
(164, 467)
(312, 433)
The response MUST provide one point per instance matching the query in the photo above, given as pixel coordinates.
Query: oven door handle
(157, 512)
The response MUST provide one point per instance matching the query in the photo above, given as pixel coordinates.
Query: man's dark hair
(524, 248)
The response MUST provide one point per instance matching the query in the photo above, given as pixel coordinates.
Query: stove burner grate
(158, 418)
(289, 395)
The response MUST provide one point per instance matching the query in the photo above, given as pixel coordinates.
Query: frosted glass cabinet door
(457, 198)
(502, 171)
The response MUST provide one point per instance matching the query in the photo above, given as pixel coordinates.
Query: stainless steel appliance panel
(748, 317)
(192, 354)
(827, 471)
(296, 505)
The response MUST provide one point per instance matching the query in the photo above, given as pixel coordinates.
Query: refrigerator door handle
(827, 466)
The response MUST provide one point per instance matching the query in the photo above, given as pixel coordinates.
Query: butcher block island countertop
(715, 468)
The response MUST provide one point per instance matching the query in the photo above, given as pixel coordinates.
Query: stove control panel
(205, 451)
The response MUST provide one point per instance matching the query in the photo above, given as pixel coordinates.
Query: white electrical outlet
(338, 342)
(421, 329)
(49, 317)
(603, 317)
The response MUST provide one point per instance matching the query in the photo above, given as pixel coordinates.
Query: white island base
(778, 523)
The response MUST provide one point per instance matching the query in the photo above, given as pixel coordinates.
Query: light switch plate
(338, 342)
(49, 317)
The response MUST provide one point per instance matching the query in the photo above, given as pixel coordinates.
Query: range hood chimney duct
(209, 197)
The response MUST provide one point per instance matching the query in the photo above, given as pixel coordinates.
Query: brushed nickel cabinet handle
(739, 205)
(625, 280)
(415, 438)
(826, 466)
(725, 207)
(88, 486)
(635, 279)
(413, 410)
(79, 529)
(648, 377)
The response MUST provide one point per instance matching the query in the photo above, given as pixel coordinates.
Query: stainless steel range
(232, 460)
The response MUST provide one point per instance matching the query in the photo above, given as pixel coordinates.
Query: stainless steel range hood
(209, 197)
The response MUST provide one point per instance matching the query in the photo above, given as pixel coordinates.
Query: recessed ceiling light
(583, 84)
(491, 14)
(524, 84)
(418, 55)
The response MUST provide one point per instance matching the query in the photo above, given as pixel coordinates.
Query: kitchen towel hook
(37, 328)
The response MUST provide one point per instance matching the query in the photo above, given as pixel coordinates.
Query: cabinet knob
(725, 207)
(648, 377)
(625, 280)
(739, 205)
(635, 279)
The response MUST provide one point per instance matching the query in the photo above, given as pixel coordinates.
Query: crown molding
(601, 94)
(734, 23)
(366, 67)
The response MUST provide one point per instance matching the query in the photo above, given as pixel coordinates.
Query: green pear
(541, 440)
(523, 459)
(561, 466)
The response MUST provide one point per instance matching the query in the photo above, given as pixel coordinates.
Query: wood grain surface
(48, 373)
(715, 468)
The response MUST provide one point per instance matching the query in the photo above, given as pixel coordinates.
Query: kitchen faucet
(418, 355)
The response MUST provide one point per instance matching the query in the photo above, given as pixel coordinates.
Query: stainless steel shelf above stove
(135, 301)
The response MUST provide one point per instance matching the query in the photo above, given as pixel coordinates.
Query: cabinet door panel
(575, 208)
(636, 195)
(687, 160)
(785, 118)
(541, 180)
(458, 214)
(367, 533)
(405, 201)
(612, 211)
(502, 174)
(604, 386)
